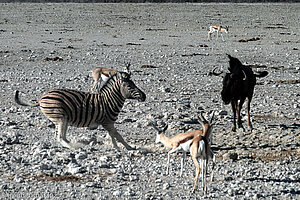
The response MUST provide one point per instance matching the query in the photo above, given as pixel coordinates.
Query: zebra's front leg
(115, 135)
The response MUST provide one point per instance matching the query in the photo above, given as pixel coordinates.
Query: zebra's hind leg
(61, 136)
(115, 135)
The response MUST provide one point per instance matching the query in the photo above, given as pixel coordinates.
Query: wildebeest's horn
(245, 76)
(215, 73)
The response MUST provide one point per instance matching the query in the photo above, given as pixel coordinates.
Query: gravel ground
(48, 46)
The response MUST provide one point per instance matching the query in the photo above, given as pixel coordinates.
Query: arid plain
(48, 46)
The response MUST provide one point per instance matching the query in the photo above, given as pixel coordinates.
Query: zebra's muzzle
(142, 97)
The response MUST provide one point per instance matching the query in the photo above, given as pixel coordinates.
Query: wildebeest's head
(234, 64)
(232, 82)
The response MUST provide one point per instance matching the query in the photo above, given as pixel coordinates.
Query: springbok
(197, 142)
(217, 29)
(102, 74)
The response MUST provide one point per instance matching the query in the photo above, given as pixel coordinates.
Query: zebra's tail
(22, 103)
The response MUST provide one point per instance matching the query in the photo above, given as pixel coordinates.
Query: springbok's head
(206, 126)
(128, 89)
(158, 131)
(226, 29)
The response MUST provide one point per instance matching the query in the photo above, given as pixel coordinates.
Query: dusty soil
(47, 46)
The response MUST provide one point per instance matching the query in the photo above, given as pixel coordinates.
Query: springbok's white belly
(104, 78)
(186, 146)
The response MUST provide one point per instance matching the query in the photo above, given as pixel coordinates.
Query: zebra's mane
(108, 84)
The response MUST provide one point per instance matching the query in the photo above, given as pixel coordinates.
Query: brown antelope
(217, 29)
(197, 142)
(102, 74)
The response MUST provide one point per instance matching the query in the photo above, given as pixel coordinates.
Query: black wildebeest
(238, 85)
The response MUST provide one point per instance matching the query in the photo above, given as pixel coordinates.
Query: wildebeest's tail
(22, 103)
(261, 74)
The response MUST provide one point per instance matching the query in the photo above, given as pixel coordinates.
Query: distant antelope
(102, 74)
(217, 29)
(197, 142)
(69, 107)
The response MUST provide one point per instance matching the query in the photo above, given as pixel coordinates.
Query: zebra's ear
(125, 75)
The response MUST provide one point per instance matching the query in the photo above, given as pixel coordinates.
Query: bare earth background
(48, 46)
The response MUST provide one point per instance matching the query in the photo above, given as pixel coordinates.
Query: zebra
(66, 107)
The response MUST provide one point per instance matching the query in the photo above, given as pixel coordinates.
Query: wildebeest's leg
(248, 112)
(233, 105)
(115, 135)
(239, 108)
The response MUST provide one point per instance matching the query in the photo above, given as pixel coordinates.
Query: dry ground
(47, 46)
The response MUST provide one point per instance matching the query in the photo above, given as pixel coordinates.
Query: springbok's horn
(212, 118)
(201, 119)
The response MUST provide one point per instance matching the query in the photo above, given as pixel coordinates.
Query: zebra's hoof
(77, 145)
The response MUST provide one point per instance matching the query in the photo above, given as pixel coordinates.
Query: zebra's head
(128, 89)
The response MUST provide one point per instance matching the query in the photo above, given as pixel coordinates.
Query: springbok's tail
(22, 103)
(261, 74)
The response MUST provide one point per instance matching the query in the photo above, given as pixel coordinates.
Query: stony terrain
(47, 46)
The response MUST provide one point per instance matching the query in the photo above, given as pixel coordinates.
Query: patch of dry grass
(270, 156)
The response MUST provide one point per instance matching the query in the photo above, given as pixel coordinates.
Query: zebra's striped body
(79, 108)
(74, 108)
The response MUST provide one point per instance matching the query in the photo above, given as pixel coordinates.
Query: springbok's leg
(197, 171)
(202, 172)
(169, 154)
(205, 161)
(222, 36)
(168, 163)
(212, 156)
(209, 35)
(182, 162)
(115, 135)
